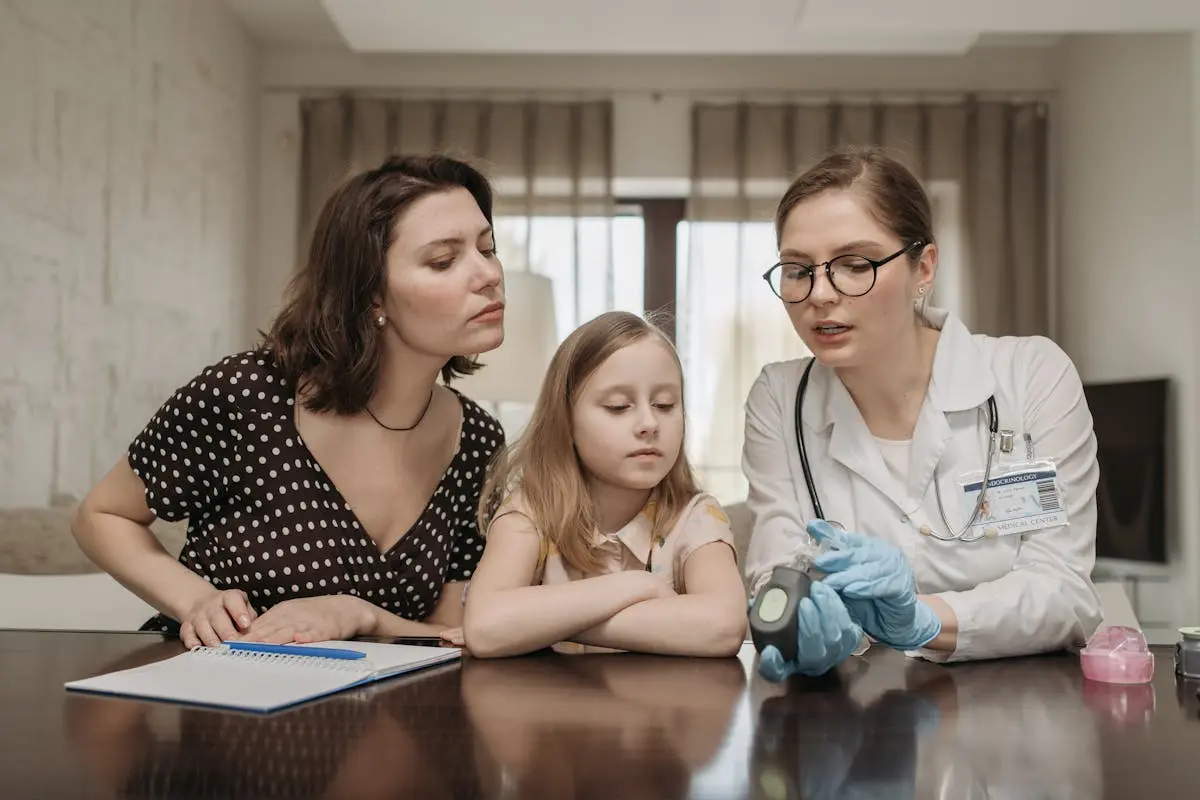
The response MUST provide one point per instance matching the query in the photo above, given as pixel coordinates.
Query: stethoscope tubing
(810, 483)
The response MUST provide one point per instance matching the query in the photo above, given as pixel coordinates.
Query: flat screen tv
(1131, 500)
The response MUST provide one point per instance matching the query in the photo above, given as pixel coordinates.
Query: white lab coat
(1013, 595)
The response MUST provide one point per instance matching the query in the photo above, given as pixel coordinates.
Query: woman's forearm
(506, 622)
(947, 640)
(684, 625)
(449, 610)
(447, 615)
(133, 555)
(385, 623)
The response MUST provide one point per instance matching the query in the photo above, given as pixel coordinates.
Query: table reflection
(1003, 729)
(629, 726)
(395, 739)
(600, 725)
(1187, 695)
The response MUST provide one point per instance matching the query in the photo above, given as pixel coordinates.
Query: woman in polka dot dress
(329, 480)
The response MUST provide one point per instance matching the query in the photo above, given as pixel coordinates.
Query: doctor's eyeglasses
(850, 275)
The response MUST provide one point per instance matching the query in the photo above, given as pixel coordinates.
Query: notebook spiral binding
(279, 658)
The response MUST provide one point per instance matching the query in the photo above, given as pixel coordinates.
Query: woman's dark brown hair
(892, 193)
(325, 339)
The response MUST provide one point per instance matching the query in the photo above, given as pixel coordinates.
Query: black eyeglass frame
(828, 265)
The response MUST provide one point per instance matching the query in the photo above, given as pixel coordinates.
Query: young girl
(596, 530)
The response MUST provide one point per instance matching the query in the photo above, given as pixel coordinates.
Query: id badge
(1021, 498)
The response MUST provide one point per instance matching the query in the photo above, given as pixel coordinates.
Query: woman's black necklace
(428, 403)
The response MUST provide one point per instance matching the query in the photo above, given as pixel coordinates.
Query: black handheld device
(419, 641)
(773, 613)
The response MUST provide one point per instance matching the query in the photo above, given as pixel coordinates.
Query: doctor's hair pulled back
(889, 191)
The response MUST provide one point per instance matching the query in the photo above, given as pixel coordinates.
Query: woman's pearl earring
(381, 320)
(920, 290)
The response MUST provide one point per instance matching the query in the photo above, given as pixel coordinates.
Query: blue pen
(297, 650)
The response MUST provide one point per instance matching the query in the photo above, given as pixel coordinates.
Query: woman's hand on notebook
(313, 619)
(453, 636)
(219, 616)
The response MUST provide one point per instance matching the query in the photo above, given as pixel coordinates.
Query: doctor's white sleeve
(1047, 601)
(779, 522)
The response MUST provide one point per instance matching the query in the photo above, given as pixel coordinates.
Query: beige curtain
(550, 164)
(984, 164)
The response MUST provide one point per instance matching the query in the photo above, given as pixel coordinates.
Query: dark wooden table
(605, 726)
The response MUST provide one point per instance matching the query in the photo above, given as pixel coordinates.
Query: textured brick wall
(127, 133)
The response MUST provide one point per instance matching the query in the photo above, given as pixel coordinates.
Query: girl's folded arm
(709, 620)
(505, 615)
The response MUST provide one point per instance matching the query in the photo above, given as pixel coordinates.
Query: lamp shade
(513, 372)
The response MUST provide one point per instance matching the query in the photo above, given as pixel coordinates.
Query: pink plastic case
(1117, 654)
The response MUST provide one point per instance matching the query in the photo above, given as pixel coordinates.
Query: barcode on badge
(1048, 495)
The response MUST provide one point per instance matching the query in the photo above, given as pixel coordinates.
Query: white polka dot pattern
(224, 453)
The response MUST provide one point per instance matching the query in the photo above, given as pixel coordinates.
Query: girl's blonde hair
(543, 464)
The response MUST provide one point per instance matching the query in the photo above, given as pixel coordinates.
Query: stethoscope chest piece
(773, 614)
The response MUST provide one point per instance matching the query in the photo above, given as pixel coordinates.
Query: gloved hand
(877, 585)
(827, 637)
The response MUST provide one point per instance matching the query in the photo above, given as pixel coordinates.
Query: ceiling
(762, 27)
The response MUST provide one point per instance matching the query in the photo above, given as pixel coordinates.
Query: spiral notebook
(262, 682)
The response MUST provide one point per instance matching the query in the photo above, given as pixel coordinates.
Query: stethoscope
(925, 530)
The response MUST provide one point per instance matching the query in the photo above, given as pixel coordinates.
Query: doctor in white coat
(902, 406)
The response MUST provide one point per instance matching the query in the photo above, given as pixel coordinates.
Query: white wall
(276, 250)
(1195, 132)
(1129, 244)
(127, 139)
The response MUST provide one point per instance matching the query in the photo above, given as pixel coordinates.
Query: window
(729, 326)
(596, 263)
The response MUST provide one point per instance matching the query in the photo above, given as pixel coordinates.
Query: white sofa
(46, 582)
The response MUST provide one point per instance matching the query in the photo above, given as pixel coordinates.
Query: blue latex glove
(877, 584)
(828, 636)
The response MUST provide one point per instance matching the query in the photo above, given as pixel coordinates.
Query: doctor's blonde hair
(543, 464)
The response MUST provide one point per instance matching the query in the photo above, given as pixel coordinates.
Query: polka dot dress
(224, 453)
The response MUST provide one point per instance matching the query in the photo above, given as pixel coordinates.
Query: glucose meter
(773, 613)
